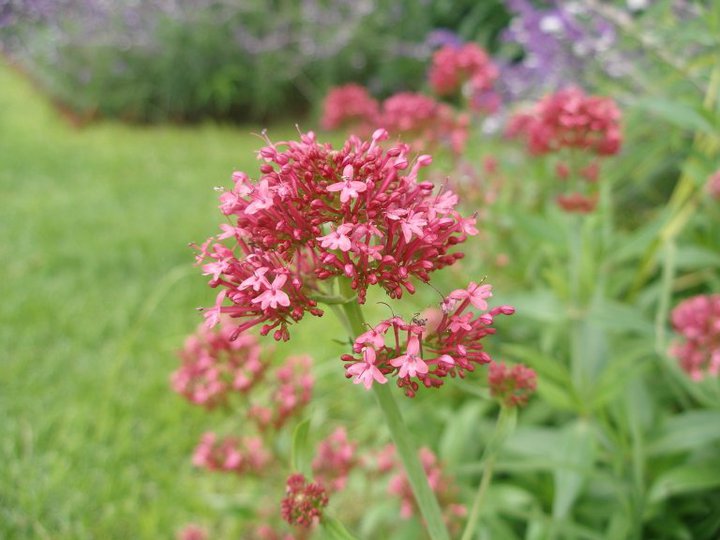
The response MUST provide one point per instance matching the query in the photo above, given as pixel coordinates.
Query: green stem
(503, 428)
(575, 254)
(426, 500)
(668, 274)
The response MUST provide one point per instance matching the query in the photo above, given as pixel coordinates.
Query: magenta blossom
(697, 320)
(449, 345)
(316, 213)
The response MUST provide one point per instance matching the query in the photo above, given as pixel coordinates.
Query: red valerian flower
(449, 345)
(452, 67)
(215, 366)
(697, 320)
(440, 482)
(304, 502)
(570, 119)
(425, 122)
(316, 213)
(240, 455)
(352, 108)
(713, 186)
(512, 386)
(580, 129)
(334, 460)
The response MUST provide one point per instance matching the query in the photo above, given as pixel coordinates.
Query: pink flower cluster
(350, 107)
(316, 213)
(570, 119)
(191, 531)
(697, 320)
(575, 126)
(240, 455)
(443, 486)
(513, 386)
(334, 460)
(417, 118)
(304, 502)
(214, 366)
(452, 67)
(416, 353)
(293, 390)
(713, 186)
(425, 122)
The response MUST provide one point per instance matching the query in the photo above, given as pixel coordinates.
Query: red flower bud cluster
(443, 485)
(292, 390)
(316, 213)
(417, 353)
(513, 386)
(350, 107)
(713, 186)
(214, 366)
(697, 320)
(570, 119)
(580, 129)
(304, 502)
(240, 455)
(452, 67)
(334, 460)
(424, 122)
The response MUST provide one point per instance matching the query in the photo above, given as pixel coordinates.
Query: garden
(360, 270)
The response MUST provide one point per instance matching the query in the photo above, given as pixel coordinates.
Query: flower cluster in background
(579, 130)
(512, 386)
(697, 320)
(441, 483)
(417, 119)
(215, 366)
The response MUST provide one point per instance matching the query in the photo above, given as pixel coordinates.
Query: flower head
(304, 502)
(441, 483)
(216, 366)
(697, 320)
(350, 107)
(317, 213)
(713, 186)
(454, 66)
(512, 386)
(240, 455)
(420, 352)
(334, 460)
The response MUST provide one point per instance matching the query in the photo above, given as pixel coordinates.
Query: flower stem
(426, 500)
(503, 428)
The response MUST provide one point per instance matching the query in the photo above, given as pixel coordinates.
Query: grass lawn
(98, 291)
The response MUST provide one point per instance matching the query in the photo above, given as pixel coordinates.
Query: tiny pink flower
(366, 372)
(338, 239)
(274, 296)
(348, 188)
(410, 363)
(475, 294)
(256, 281)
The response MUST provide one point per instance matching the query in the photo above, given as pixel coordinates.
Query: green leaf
(334, 529)
(301, 454)
(556, 395)
(696, 258)
(623, 317)
(686, 431)
(576, 449)
(685, 479)
(678, 114)
(545, 366)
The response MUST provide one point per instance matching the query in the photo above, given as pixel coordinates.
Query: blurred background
(117, 118)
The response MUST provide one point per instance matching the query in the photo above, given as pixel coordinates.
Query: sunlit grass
(98, 290)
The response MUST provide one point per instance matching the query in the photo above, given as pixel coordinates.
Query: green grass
(98, 290)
